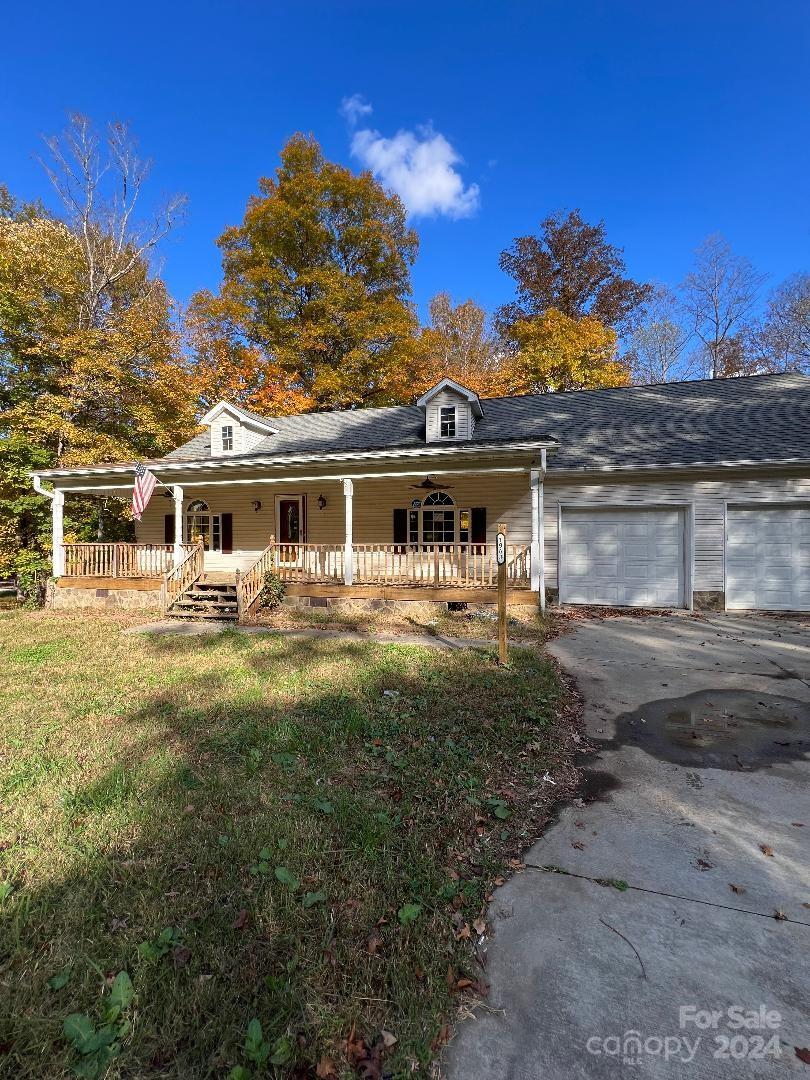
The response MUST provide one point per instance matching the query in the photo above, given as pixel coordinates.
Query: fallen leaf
(241, 920)
(373, 943)
(803, 1054)
(779, 915)
(463, 984)
(578, 845)
(442, 1038)
(482, 988)
(480, 927)
(736, 888)
(388, 1040)
(464, 933)
(325, 1069)
(797, 824)
(766, 849)
(181, 956)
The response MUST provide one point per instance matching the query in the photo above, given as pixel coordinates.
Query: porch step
(206, 600)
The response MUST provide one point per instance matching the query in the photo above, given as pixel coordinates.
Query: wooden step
(219, 616)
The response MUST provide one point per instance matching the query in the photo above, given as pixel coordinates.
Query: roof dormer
(233, 430)
(451, 411)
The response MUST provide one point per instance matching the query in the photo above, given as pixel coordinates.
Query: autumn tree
(571, 267)
(555, 352)
(90, 364)
(657, 347)
(315, 288)
(781, 339)
(720, 294)
(458, 343)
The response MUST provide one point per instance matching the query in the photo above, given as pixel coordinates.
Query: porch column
(537, 576)
(348, 555)
(58, 532)
(178, 524)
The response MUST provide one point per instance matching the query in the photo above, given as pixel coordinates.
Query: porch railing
(118, 560)
(182, 576)
(434, 565)
(437, 565)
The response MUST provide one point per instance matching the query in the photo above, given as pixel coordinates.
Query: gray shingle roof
(762, 417)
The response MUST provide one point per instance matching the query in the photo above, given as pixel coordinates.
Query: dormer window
(447, 422)
(227, 437)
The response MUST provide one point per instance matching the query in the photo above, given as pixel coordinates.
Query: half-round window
(198, 506)
(437, 498)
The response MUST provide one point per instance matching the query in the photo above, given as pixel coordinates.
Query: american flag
(144, 486)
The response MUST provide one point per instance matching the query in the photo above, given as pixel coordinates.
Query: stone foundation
(709, 601)
(73, 599)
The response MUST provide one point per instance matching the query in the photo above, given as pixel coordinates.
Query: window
(438, 519)
(447, 422)
(227, 437)
(202, 525)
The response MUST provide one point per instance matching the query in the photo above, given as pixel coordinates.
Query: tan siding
(707, 496)
(505, 496)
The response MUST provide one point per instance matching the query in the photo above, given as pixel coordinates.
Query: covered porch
(397, 534)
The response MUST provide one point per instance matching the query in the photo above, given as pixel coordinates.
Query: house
(692, 494)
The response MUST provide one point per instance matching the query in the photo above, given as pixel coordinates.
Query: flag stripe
(145, 483)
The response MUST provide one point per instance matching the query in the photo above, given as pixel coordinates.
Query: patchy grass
(303, 833)
(478, 621)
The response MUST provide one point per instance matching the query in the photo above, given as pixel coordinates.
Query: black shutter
(168, 528)
(478, 525)
(401, 527)
(227, 534)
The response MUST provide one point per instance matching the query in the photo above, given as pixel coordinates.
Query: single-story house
(693, 494)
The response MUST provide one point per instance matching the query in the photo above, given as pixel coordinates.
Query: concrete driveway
(702, 782)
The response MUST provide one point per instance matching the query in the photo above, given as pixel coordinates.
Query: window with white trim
(227, 437)
(447, 422)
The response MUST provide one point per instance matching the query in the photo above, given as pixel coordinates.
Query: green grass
(298, 832)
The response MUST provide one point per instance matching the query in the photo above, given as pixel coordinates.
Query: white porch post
(58, 532)
(178, 524)
(538, 575)
(348, 554)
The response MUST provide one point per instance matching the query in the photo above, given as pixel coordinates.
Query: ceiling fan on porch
(431, 485)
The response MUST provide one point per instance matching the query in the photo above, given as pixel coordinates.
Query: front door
(290, 524)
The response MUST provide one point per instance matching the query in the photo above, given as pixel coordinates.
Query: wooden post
(500, 557)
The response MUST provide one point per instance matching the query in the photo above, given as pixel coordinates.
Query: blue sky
(669, 121)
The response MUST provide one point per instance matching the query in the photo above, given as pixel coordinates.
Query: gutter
(39, 489)
(303, 459)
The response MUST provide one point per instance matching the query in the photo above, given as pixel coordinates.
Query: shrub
(273, 591)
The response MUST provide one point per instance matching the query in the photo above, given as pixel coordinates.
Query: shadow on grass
(280, 816)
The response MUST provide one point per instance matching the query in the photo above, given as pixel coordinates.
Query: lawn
(251, 828)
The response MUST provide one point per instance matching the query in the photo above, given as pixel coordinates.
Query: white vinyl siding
(464, 418)
(623, 557)
(768, 558)
(706, 497)
(243, 438)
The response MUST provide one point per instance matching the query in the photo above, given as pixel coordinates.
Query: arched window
(201, 524)
(437, 498)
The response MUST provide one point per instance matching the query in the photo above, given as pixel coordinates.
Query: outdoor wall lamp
(256, 504)
(321, 502)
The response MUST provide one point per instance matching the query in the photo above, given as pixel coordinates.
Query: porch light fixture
(321, 502)
(430, 485)
(256, 504)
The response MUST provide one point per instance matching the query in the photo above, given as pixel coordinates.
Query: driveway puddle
(719, 729)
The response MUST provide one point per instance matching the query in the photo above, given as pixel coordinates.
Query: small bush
(273, 591)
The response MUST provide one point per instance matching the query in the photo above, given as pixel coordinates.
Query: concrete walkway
(429, 641)
(697, 808)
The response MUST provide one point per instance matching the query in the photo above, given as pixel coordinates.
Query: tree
(782, 338)
(458, 344)
(572, 268)
(719, 294)
(317, 280)
(554, 352)
(90, 364)
(657, 346)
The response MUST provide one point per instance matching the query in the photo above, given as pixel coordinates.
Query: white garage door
(768, 558)
(627, 558)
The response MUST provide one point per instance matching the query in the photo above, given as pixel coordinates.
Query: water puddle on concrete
(719, 729)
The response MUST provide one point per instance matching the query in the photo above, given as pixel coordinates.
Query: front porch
(381, 571)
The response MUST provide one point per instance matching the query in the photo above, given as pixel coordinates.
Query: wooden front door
(290, 524)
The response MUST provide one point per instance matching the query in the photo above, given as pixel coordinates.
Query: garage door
(627, 558)
(768, 558)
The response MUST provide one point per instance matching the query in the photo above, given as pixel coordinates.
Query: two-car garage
(641, 556)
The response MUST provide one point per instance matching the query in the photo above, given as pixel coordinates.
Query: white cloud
(420, 166)
(354, 108)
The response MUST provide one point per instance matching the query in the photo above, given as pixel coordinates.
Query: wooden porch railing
(118, 560)
(182, 576)
(451, 565)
